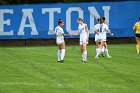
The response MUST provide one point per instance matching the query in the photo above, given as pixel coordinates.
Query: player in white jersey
(84, 37)
(60, 40)
(97, 39)
(105, 49)
(101, 30)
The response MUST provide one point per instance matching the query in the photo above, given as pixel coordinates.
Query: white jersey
(59, 37)
(102, 30)
(96, 27)
(83, 32)
(96, 35)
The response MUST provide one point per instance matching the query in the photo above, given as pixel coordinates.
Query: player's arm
(86, 28)
(134, 28)
(96, 31)
(67, 34)
(76, 34)
(55, 32)
(108, 30)
(62, 33)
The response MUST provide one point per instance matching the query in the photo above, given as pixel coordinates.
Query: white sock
(97, 50)
(106, 50)
(103, 50)
(82, 56)
(62, 54)
(98, 53)
(85, 55)
(59, 55)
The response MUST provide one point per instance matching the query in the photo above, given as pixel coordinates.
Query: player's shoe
(102, 55)
(84, 61)
(59, 61)
(96, 56)
(62, 61)
(109, 56)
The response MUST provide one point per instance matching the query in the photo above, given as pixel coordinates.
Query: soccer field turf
(36, 70)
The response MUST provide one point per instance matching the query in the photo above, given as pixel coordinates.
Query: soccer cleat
(109, 57)
(102, 55)
(59, 61)
(84, 61)
(96, 56)
(62, 61)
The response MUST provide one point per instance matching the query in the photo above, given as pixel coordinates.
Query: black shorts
(137, 35)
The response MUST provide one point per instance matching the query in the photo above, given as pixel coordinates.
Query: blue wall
(36, 21)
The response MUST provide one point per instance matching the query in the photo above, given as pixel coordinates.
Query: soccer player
(60, 40)
(105, 49)
(101, 30)
(97, 40)
(84, 37)
(137, 28)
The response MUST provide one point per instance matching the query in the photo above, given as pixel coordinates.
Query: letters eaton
(28, 15)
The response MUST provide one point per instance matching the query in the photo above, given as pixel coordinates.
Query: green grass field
(36, 70)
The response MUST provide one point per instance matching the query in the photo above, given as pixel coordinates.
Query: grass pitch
(36, 70)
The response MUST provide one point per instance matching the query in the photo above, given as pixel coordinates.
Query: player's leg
(137, 44)
(102, 39)
(106, 50)
(99, 51)
(81, 49)
(59, 50)
(102, 51)
(62, 47)
(59, 53)
(84, 52)
(97, 42)
(97, 46)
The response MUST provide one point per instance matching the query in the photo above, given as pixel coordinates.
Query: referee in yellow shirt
(137, 28)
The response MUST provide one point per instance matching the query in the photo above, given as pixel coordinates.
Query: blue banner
(39, 21)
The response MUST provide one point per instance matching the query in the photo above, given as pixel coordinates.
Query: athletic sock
(82, 56)
(85, 55)
(96, 50)
(98, 53)
(106, 50)
(137, 48)
(103, 50)
(59, 55)
(62, 54)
